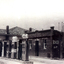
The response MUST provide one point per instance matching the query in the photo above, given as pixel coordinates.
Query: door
(20, 50)
(37, 48)
(0, 48)
(56, 49)
(5, 49)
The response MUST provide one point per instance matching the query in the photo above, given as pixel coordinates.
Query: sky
(38, 14)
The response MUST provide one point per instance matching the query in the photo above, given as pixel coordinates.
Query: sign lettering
(55, 41)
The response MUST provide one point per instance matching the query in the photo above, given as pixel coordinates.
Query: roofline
(38, 31)
(18, 27)
(9, 35)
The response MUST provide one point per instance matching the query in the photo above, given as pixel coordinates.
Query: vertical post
(27, 46)
(17, 50)
(2, 49)
(52, 28)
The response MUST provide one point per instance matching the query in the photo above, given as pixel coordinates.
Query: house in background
(8, 47)
(9, 33)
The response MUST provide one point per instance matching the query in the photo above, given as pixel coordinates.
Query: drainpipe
(52, 29)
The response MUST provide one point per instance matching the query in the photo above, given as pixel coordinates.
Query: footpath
(35, 60)
(46, 60)
(15, 61)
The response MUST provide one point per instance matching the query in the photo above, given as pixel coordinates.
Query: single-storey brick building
(46, 43)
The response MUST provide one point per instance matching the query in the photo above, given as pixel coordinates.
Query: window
(44, 43)
(30, 44)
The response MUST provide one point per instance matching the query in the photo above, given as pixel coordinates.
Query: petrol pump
(25, 48)
(14, 50)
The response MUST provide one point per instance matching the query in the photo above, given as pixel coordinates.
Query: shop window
(44, 43)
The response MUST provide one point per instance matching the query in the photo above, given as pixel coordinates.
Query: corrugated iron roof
(13, 31)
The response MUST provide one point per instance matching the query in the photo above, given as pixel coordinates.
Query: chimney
(30, 29)
(7, 29)
(52, 27)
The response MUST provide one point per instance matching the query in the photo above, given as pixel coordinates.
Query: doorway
(36, 48)
(0, 48)
(20, 50)
(56, 49)
(5, 49)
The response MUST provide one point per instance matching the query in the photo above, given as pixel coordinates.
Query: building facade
(46, 43)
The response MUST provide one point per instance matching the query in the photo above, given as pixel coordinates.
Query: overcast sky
(38, 14)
